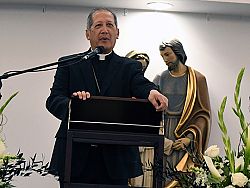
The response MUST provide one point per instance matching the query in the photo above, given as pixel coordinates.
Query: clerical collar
(103, 57)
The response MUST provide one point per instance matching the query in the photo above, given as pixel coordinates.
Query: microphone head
(100, 49)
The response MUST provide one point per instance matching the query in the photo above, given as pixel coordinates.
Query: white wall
(217, 46)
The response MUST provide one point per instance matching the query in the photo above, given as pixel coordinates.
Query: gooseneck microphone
(97, 50)
(0, 88)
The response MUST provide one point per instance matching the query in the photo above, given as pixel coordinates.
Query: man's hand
(81, 95)
(181, 143)
(159, 101)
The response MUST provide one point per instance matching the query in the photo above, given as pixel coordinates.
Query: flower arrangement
(214, 171)
(16, 165)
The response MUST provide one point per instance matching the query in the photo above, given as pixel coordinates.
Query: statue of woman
(146, 153)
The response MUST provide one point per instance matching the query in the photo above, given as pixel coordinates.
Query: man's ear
(87, 34)
(117, 35)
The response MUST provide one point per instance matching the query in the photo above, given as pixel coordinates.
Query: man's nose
(104, 29)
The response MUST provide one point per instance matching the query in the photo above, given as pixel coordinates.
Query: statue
(187, 119)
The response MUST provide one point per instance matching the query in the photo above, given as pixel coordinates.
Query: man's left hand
(159, 101)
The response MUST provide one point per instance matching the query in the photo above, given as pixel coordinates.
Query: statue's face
(144, 64)
(168, 56)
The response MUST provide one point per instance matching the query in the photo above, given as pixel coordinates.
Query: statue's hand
(181, 143)
(168, 146)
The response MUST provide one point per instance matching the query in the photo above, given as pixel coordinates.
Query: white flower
(239, 163)
(212, 151)
(201, 177)
(248, 167)
(211, 167)
(239, 179)
(220, 171)
(2, 147)
(229, 186)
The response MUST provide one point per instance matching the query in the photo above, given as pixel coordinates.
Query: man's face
(103, 32)
(168, 56)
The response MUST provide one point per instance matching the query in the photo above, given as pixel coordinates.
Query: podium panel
(118, 121)
(114, 114)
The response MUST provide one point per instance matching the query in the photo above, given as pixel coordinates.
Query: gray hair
(90, 16)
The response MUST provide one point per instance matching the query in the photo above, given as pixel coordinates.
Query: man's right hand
(83, 95)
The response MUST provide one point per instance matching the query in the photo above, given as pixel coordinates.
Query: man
(187, 119)
(105, 75)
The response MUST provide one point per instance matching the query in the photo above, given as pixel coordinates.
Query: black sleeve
(141, 86)
(58, 101)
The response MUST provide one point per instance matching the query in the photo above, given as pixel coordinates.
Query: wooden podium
(110, 120)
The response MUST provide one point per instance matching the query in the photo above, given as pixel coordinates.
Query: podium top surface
(114, 111)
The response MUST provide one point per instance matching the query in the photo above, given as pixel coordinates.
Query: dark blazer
(124, 78)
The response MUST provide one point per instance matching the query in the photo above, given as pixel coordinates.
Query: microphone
(0, 88)
(97, 50)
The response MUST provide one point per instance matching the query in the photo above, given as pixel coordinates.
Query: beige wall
(217, 46)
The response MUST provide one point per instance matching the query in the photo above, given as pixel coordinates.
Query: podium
(119, 121)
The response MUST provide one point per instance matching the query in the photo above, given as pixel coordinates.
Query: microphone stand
(38, 68)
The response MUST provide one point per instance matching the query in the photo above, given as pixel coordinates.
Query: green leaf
(7, 102)
(225, 137)
(239, 78)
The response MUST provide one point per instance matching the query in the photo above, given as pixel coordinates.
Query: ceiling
(229, 7)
